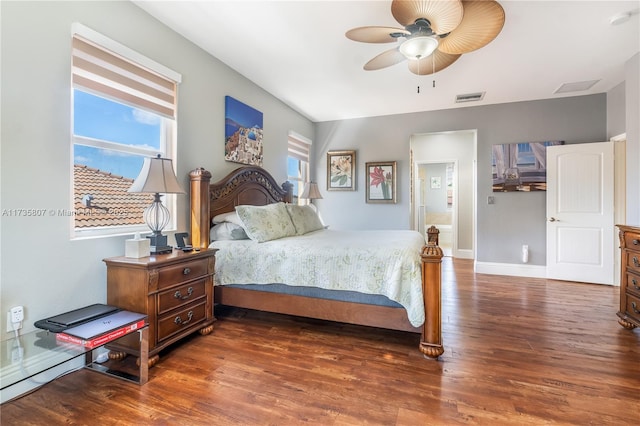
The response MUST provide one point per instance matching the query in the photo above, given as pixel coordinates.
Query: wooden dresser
(175, 290)
(629, 314)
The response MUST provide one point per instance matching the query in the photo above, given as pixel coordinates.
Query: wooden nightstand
(175, 290)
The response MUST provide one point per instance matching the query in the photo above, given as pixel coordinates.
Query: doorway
(444, 187)
(435, 199)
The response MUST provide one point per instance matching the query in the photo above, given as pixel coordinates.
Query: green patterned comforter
(372, 262)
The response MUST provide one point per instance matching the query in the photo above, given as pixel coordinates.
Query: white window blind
(299, 147)
(105, 67)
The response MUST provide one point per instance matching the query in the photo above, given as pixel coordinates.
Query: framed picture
(520, 166)
(242, 133)
(341, 167)
(381, 182)
(436, 182)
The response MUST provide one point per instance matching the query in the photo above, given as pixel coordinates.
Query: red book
(103, 330)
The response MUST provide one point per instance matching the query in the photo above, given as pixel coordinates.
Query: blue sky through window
(100, 118)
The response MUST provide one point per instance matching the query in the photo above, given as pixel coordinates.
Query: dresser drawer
(633, 284)
(178, 296)
(632, 241)
(181, 320)
(186, 271)
(633, 261)
(633, 307)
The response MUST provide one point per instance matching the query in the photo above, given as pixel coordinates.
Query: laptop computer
(61, 322)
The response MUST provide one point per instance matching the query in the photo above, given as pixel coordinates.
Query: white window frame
(297, 139)
(168, 136)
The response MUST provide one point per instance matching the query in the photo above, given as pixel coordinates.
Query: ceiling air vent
(469, 97)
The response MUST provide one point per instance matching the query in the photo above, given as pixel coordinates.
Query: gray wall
(502, 228)
(41, 268)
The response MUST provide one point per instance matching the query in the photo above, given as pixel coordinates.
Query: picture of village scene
(243, 133)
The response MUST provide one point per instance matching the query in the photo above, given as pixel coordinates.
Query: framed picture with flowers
(381, 182)
(341, 168)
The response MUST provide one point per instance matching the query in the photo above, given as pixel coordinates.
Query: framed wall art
(520, 166)
(242, 133)
(341, 167)
(381, 182)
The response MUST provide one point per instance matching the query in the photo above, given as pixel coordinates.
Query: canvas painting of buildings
(243, 133)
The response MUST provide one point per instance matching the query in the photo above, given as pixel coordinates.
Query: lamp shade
(157, 176)
(311, 191)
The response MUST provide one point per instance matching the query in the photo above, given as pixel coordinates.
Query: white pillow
(227, 217)
(304, 218)
(266, 223)
(227, 231)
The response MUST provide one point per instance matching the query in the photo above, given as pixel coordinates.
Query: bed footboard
(431, 338)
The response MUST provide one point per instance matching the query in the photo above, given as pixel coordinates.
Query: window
(298, 165)
(123, 109)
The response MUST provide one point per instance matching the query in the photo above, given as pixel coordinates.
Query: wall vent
(470, 97)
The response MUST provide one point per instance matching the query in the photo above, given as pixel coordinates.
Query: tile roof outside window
(111, 204)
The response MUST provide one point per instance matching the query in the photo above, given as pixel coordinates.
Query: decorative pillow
(227, 231)
(266, 223)
(227, 217)
(304, 218)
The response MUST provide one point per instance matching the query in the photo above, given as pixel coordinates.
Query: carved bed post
(431, 339)
(200, 179)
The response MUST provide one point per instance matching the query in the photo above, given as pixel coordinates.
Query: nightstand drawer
(181, 320)
(186, 271)
(632, 241)
(187, 293)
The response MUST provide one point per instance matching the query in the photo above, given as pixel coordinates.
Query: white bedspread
(372, 262)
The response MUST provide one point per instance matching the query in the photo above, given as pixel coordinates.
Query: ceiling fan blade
(482, 22)
(375, 34)
(385, 59)
(444, 15)
(433, 63)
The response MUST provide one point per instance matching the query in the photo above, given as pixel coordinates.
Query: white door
(580, 201)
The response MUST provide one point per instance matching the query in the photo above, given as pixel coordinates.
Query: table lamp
(156, 177)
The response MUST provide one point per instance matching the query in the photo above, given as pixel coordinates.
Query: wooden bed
(255, 186)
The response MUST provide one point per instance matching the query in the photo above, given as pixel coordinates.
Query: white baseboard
(513, 269)
(463, 254)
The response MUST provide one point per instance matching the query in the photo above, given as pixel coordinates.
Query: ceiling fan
(435, 33)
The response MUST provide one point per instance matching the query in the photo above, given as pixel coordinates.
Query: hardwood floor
(518, 351)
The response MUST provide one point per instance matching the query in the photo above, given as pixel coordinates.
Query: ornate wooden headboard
(246, 185)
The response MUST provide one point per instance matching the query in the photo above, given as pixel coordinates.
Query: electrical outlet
(17, 314)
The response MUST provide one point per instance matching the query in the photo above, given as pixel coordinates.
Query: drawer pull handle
(186, 271)
(636, 263)
(179, 321)
(635, 307)
(635, 242)
(635, 283)
(179, 295)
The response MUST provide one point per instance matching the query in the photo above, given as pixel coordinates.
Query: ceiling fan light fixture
(419, 47)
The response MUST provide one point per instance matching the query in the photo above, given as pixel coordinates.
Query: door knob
(553, 219)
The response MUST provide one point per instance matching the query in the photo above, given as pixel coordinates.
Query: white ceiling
(297, 51)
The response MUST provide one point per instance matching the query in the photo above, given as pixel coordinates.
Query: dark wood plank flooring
(518, 351)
